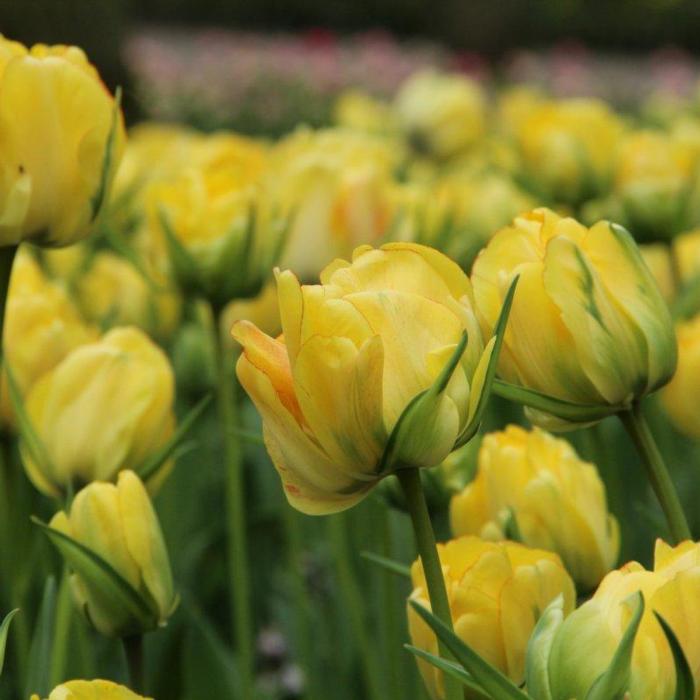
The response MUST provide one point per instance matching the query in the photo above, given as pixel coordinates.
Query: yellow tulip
(443, 114)
(679, 396)
(113, 292)
(568, 148)
(41, 327)
(555, 500)
(355, 351)
(586, 641)
(686, 255)
(91, 690)
(497, 592)
(603, 334)
(117, 523)
(262, 311)
(61, 138)
(657, 257)
(339, 186)
(106, 406)
(360, 111)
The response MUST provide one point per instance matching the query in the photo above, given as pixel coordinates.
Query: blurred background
(263, 67)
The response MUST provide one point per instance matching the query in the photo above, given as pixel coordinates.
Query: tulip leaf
(149, 468)
(100, 575)
(566, 410)
(450, 668)
(394, 567)
(38, 669)
(613, 683)
(511, 528)
(120, 245)
(183, 265)
(499, 333)
(493, 681)
(685, 684)
(4, 629)
(538, 650)
(100, 195)
(419, 415)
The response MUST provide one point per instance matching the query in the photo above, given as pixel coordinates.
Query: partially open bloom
(680, 395)
(568, 148)
(588, 324)
(586, 641)
(442, 113)
(534, 483)
(497, 592)
(118, 524)
(41, 327)
(356, 350)
(61, 137)
(91, 690)
(106, 406)
(337, 185)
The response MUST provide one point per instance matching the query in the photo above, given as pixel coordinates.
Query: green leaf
(420, 414)
(451, 668)
(99, 574)
(100, 195)
(539, 647)
(566, 410)
(685, 684)
(395, 567)
(511, 528)
(4, 629)
(489, 678)
(38, 668)
(499, 332)
(149, 468)
(183, 265)
(613, 683)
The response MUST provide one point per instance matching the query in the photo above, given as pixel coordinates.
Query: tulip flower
(496, 592)
(603, 335)
(118, 528)
(392, 330)
(584, 644)
(91, 690)
(106, 406)
(61, 138)
(535, 484)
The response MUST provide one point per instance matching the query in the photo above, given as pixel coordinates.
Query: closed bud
(497, 592)
(117, 523)
(533, 486)
(91, 690)
(107, 406)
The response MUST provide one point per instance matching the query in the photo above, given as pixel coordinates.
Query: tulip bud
(339, 186)
(568, 148)
(112, 292)
(360, 111)
(586, 642)
(52, 101)
(117, 523)
(556, 500)
(41, 327)
(603, 336)
(442, 114)
(686, 255)
(91, 690)
(373, 372)
(679, 396)
(497, 592)
(107, 406)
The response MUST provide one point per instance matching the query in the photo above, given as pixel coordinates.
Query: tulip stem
(657, 472)
(412, 487)
(239, 574)
(133, 650)
(7, 258)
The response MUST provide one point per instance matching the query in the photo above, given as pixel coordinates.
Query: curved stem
(133, 649)
(657, 472)
(239, 573)
(425, 540)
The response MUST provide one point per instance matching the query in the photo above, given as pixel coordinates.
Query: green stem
(355, 610)
(133, 650)
(657, 472)
(409, 478)
(61, 636)
(238, 562)
(7, 258)
(390, 621)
